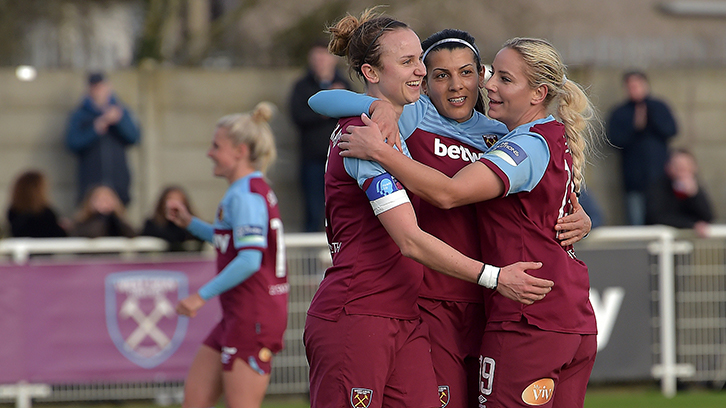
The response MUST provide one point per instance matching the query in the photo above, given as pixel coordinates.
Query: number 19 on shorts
(486, 375)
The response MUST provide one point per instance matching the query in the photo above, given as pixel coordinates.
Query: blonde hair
(544, 66)
(252, 128)
(87, 210)
(358, 39)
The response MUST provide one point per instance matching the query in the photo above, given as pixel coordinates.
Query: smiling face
(225, 155)
(511, 99)
(452, 82)
(398, 79)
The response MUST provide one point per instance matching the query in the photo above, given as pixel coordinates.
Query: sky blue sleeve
(384, 192)
(340, 103)
(201, 229)
(362, 170)
(245, 264)
(413, 114)
(249, 220)
(523, 158)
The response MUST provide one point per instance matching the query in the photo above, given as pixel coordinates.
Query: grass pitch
(620, 396)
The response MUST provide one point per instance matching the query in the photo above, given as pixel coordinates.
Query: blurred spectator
(678, 199)
(157, 225)
(101, 215)
(315, 130)
(99, 131)
(641, 127)
(30, 213)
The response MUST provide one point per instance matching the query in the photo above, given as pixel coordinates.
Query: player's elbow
(409, 247)
(443, 200)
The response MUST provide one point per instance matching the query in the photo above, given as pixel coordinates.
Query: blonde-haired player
(541, 353)
(235, 359)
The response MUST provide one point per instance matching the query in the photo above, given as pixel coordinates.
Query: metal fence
(307, 257)
(700, 287)
(688, 296)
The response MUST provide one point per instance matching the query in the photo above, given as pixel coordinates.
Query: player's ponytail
(358, 39)
(576, 112)
(544, 66)
(253, 129)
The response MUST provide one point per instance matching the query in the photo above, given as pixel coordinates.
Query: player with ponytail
(521, 186)
(236, 357)
(364, 338)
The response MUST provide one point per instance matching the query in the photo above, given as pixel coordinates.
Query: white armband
(489, 276)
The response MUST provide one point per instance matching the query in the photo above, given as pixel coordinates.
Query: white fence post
(666, 292)
(668, 371)
(23, 393)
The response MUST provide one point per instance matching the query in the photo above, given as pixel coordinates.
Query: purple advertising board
(101, 320)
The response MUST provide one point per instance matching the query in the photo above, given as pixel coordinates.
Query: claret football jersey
(369, 274)
(535, 164)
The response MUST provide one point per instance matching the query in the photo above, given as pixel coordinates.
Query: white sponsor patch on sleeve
(510, 152)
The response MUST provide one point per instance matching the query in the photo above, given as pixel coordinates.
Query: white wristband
(489, 276)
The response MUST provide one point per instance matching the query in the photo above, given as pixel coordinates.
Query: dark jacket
(644, 152)
(101, 158)
(179, 239)
(100, 225)
(314, 129)
(666, 207)
(35, 225)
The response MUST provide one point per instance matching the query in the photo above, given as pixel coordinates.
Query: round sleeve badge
(264, 355)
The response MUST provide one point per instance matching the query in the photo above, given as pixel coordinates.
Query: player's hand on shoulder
(516, 284)
(362, 142)
(386, 118)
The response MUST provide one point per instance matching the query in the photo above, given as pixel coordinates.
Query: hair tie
(451, 40)
(375, 39)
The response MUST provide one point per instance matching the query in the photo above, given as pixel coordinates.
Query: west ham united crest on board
(140, 314)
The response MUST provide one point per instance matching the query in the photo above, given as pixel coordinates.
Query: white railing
(23, 393)
(308, 257)
(20, 249)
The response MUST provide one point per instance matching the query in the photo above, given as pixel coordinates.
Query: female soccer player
(252, 280)
(539, 354)
(363, 336)
(448, 138)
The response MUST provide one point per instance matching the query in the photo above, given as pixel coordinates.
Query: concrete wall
(698, 100)
(178, 108)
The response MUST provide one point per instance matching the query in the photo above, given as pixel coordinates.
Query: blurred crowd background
(178, 65)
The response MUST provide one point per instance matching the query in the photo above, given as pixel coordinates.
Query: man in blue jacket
(315, 129)
(99, 131)
(641, 127)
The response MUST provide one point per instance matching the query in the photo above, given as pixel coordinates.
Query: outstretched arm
(474, 183)
(179, 214)
(340, 103)
(245, 264)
